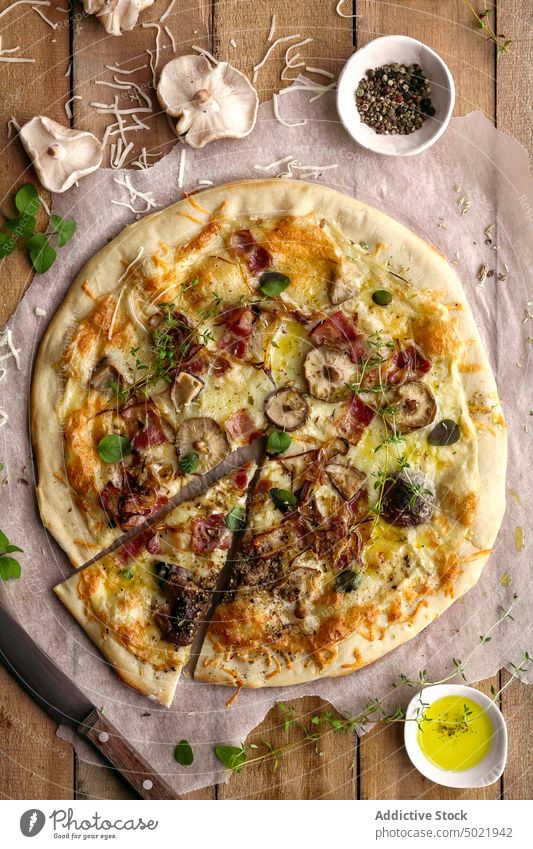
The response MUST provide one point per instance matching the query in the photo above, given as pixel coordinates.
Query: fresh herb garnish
(64, 228)
(272, 283)
(27, 200)
(482, 18)
(232, 757)
(41, 253)
(234, 520)
(382, 297)
(183, 753)
(126, 573)
(278, 441)
(189, 463)
(9, 567)
(283, 499)
(114, 447)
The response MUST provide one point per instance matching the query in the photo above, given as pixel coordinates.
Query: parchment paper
(492, 172)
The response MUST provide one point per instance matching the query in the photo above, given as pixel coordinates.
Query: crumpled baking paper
(471, 164)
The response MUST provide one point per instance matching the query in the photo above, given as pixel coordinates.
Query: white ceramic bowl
(405, 51)
(486, 771)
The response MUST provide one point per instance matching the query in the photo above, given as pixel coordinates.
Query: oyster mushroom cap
(60, 155)
(412, 406)
(345, 283)
(210, 102)
(286, 408)
(328, 373)
(346, 479)
(186, 388)
(116, 16)
(204, 437)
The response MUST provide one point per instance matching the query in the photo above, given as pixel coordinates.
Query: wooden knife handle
(137, 772)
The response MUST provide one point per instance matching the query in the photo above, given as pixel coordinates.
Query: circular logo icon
(32, 822)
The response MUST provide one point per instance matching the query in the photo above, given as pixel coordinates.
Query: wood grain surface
(70, 58)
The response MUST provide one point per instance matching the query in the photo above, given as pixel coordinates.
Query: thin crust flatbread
(187, 230)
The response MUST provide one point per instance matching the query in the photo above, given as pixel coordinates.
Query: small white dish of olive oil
(456, 736)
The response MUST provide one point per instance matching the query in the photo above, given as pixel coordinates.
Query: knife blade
(66, 704)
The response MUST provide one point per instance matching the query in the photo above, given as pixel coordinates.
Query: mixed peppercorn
(394, 99)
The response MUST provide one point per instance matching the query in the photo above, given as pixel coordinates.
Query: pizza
(294, 315)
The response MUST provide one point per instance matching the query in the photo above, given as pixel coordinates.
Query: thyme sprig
(313, 729)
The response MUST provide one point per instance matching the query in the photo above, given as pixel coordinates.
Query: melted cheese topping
(121, 592)
(400, 567)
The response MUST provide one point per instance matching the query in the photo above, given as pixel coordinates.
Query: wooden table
(35, 763)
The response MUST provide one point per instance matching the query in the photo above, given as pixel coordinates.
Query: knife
(67, 705)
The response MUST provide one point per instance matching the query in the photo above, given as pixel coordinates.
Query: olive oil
(455, 733)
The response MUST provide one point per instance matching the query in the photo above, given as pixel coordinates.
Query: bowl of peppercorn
(395, 96)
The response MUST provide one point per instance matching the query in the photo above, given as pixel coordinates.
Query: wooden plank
(517, 707)
(449, 28)
(332, 38)
(94, 49)
(387, 773)
(327, 770)
(27, 90)
(35, 763)
(94, 782)
(302, 773)
(513, 112)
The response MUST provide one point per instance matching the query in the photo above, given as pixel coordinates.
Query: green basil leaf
(283, 499)
(114, 447)
(234, 520)
(65, 229)
(24, 225)
(273, 283)
(126, 573)
(232, 757)
(27, 200)
(4, 542)
(183, 753)
(189, 463)
(9, 568)
(8, 243)
(9, 549)
(278, 441)
(41, 252)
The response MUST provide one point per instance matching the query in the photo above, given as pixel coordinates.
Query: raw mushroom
(204, 437)
(346, 480)
(286, 408)
(186, 388)
(345, 283)
(328, 373)
(209, 102)
(116, 16)
(411, 407)
(60, 155)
